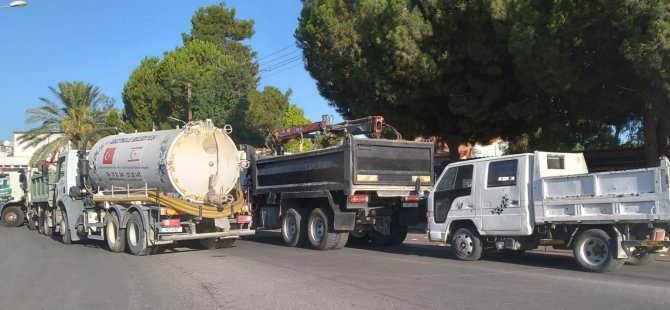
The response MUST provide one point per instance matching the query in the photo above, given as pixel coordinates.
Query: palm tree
(81, 108)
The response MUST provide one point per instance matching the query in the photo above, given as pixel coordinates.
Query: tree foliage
(218, 24)
(430, 68)
(264, 113)
(143, 96)
(562, 73)
(79, 109)
(295, 116)
(221, 75)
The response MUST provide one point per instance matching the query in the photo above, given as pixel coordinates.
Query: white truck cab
(518, 202)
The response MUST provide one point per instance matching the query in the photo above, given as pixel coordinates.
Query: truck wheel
(342, 239)
(318, 231)
(397, 236)
(594, 251)
(66, 238)
(114, 234)
(466, 245)
(135, 235)
(48, 231)
(208, 243)
(40, 221)
(225, 243)
(293, 227)
(32, 222)
(641, 259)
(12, 216)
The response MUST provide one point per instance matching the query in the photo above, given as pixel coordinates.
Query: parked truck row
(143, 192)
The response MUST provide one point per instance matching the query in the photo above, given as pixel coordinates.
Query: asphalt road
(37, 272)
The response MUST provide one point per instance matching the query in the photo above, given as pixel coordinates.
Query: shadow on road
(531, 259)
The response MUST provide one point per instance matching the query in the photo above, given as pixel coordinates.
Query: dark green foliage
(217, 24)
(430, 68)
(143, 96)
(563, 75)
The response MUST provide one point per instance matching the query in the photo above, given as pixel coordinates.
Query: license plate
(410, 204)
(170, 229)
(652, 243)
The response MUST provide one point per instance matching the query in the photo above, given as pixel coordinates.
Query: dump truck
(515, 203)
(364, 189)
(145, 191)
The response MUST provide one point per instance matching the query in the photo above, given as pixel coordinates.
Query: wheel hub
(595, 251)
(465, 245)
(133, 234)
(291, 227)
(11, 217)
(317, 229)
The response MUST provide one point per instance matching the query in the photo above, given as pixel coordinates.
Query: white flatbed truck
(518, 202)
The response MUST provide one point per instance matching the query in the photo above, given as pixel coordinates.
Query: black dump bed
(356, 163)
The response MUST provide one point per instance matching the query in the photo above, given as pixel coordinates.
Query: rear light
(170, 223)
(359, 199)
(169, 211)
(244, 218)
(411, 198)
(427, 214)
(659, 234)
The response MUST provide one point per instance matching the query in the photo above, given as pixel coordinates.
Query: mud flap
(344, 220)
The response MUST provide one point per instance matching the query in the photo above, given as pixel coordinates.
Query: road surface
(37, 272)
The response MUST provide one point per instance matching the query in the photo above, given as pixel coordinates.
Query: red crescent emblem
(108, 157)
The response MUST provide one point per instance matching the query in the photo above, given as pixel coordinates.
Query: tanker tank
(188, 161)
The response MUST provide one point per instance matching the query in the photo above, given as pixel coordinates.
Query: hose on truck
(208, 211)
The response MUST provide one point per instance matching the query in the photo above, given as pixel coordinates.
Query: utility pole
(188, 102)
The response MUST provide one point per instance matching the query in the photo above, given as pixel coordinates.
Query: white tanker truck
(144, 191)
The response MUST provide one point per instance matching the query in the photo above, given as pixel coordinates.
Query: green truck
(13, 209)
(29, 207)
(42, 186)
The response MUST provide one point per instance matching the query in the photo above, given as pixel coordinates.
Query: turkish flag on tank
(109, 156)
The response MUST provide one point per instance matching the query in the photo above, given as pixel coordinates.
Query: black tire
(32, 222)
(40, 221)
(114, 234)
(319, 232)
(136, 238)
(226, 243)
(641, 259)
(466, 244)
(342, 239)
(294, 227)
(594, 251)
(66, 237)
(12, 216)
(158, 249)
(48, 231)
(208, 244)
(360, 240)
(397, 236)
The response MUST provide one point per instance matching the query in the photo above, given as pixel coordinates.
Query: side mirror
(44, 170)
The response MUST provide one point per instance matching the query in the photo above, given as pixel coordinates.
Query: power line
(280, 57)
(283, 63)
(276, 52)
(282, 70)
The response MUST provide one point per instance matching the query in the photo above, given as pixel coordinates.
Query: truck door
(453, 195)
(500, 197)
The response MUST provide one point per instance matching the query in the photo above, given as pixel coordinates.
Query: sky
(101, 42)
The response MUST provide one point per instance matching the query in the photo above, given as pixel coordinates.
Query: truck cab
(518, 202)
